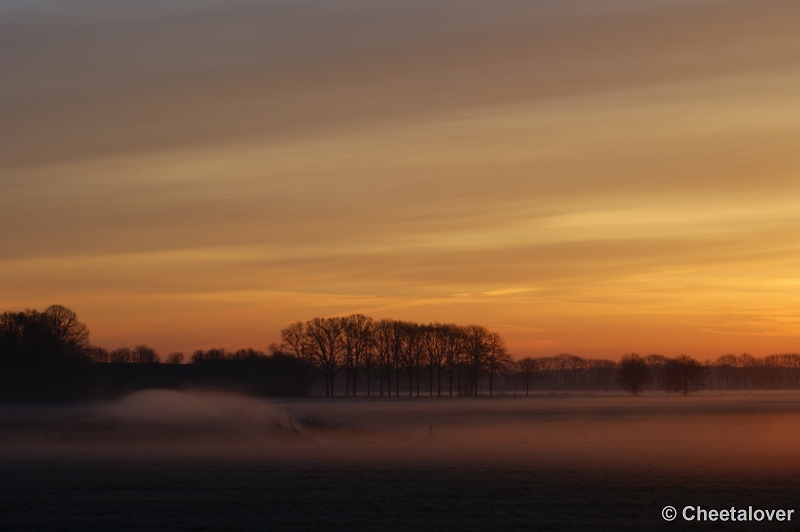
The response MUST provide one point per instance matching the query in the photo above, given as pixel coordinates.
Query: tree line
(390, 357)
(357, 355)
(379, 357)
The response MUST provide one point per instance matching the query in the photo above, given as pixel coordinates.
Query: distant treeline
(356, 355)
(47, 356)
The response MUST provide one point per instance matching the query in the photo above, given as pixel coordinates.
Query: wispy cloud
(596, 176)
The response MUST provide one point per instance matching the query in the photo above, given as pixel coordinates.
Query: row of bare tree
(41, 342)
(358, 355)
(390, 357)
(391, 354)
(728, 372)
(141, 354)
(732, 372)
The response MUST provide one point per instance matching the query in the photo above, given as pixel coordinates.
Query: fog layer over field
(742, 432)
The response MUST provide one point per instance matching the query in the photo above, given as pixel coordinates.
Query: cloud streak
(606, 175)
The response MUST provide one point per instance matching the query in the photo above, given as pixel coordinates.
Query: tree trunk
(451, 381)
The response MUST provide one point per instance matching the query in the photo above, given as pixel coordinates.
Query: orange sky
(594, 177)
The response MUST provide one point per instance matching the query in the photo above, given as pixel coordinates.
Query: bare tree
(98, 355)
(528, 367)
(122, 355)
(683, 374)
(477, 349)
(384, 341)
(793, 363)
(656, 364)
(356, 340)
(725, 371)
(143, 354)
(497, 357)
(247, 354)
(604, 371)
(455, 349)
(297, 344)
(772, 371)
(326, 335)
(40, 342)
(397, 353)
(563, 365)
(212, 355)
(548, 372)
(412, 353)
(370, 357)
(434, 339)
(176, 357)
(70, 337)
(633, 373)
(750, 370)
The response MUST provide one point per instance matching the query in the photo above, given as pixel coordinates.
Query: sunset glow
(585, 177)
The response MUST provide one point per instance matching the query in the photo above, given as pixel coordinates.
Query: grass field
(185, 461)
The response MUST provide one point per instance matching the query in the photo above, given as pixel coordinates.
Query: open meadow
(198, 461)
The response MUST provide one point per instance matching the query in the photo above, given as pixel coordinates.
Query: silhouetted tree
(38, 351)
(750, 367)
(385, 342)
(683, 374)
(567, 367)
(98, 355)
(176, 357)
(633, 373)
(547, 372)
(122, 355)
(370, 356)
(527, 368)
(725, 371)
(656, 364)
(215, 354)
(356, 340)
(143, 354)
(455, 349)
(247, 354)
(326, 335)
(604, 372)
(434, 339)
(297, 343)
(40, 342)
(397, 353)
(412, 353)
(69, 337)
(793, 363)
(497, 357)
(476, 343)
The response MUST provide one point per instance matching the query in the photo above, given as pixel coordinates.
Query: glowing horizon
(586, 177)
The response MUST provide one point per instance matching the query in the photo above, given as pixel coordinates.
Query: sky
(594, 177)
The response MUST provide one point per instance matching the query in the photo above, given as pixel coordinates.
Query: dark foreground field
(170, 461)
